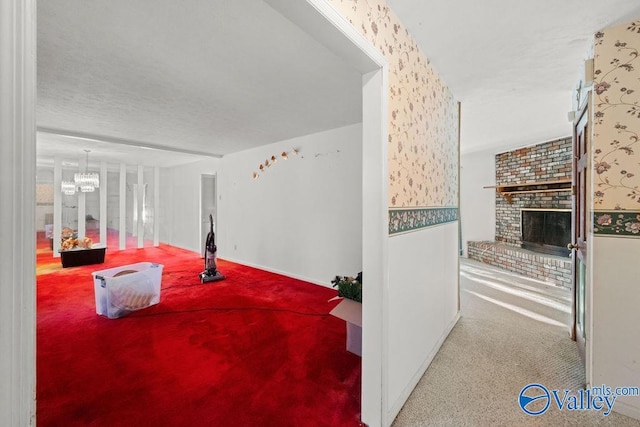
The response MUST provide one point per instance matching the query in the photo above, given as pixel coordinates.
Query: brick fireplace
(532, 179)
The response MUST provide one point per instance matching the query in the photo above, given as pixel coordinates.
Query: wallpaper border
(616, 223)
(403, 220)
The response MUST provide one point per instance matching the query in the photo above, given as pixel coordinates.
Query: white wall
(303, 216)
(423, 304)
(615, 317)
(179, 214)
(477, 204)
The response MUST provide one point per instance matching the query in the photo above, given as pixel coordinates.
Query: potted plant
(350, 309)
(349, 287)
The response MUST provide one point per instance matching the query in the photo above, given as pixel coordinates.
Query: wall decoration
(618, 223)
(423, 114)
(273, 160)
(404, 220)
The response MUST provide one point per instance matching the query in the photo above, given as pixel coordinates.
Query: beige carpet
(512, 332)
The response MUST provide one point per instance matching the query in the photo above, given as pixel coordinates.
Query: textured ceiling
(219, 76)
(208, 76)
(512, 63)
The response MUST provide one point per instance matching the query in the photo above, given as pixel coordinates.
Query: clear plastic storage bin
(122, 290)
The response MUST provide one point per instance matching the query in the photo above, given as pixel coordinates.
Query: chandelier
(84, 182)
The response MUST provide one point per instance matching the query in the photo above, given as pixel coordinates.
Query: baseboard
(184, 248)
(627, 409)
(397, 406)
(280, 272)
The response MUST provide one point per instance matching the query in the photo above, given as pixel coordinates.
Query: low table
(78, 257)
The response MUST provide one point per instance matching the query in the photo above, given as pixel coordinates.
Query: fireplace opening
(546, 231)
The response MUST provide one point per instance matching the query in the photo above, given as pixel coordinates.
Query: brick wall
(548, 161)
(543, 162)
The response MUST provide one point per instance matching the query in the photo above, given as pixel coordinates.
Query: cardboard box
(122, 290)
(351, 312)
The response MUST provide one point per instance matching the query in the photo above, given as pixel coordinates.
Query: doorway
(207, 207)
(579, 228)
(19, 187)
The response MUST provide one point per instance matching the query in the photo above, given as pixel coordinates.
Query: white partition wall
(375, 245)
(423, 304)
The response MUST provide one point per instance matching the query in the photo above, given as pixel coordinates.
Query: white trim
(627, 409)
(130, 143)
(17, 211)
(397, 405)
(375, 241)
(314, 15)
(276, 271)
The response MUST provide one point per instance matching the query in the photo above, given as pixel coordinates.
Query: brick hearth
(548, 268)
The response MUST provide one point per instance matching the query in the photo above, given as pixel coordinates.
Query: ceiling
(208, 77)
(212, 77)
(512, 64)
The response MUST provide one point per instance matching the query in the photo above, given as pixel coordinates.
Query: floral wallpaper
(616, 130)
(423, 118)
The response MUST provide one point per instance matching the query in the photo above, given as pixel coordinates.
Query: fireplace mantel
(508, 190)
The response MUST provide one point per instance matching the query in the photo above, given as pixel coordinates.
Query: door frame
(17, 212)
(580, 221)
(18, 40)
(203, 237)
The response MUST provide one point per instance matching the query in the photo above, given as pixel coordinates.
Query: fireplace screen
(546, 231)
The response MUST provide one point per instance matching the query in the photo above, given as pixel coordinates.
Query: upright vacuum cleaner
(210, 273)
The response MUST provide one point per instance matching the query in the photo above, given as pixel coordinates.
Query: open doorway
(207, 207)
(374, 207)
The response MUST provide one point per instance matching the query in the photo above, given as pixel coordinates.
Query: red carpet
(257, 349)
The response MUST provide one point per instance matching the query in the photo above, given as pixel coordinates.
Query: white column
(57, 206)
(123, 206)
(17, 211)
(134, 210)
(140, 206)
(375, 243)
(82, 203)
(156, 206)
(103, 203)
